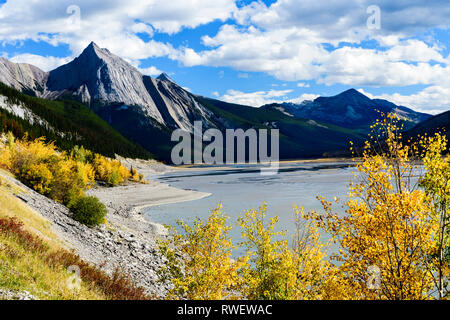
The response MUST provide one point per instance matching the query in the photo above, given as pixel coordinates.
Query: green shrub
(88, 210)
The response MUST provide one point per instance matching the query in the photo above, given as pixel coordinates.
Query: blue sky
(251, 52)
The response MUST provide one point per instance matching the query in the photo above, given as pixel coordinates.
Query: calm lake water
(242, 187)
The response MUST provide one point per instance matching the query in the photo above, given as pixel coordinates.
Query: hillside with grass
(36, 262)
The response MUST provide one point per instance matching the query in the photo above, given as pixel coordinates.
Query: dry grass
(32, 221)
(34, 259)
(23, 267)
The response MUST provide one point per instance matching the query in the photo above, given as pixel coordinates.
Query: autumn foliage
(391, 243)
(62, 176)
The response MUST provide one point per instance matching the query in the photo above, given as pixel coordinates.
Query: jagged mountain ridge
(349, 109)
(100, 79)
(23, 76)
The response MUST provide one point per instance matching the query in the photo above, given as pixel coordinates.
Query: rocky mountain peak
(94, 52)
(350, 96)
(165, 77)
(103, 78)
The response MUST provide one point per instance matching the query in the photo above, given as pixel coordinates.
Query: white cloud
(303, 97)
(243, 75)
(395, 67)
(337, 21)
(255, 50)
(150, 71)
(142, 28)
(255, 99)
(291, 54)
(45, 63)
(303, 85)
(112, 24)
(432, 99)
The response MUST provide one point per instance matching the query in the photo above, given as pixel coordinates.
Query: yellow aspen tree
(436, 183)
(386, 234)
(199, 260)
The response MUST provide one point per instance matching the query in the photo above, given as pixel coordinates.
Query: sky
(251, 52)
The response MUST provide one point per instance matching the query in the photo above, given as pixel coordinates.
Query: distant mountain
(349, 109)
(299, 138)
(146, 110)
(438, 123)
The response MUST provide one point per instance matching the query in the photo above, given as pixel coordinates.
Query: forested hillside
(67, 123)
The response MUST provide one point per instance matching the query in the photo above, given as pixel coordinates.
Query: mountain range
(145, 110)
(349, 109)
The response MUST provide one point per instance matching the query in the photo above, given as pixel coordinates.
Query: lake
(242, 187)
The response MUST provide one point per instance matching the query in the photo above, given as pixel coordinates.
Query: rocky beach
(127, 241)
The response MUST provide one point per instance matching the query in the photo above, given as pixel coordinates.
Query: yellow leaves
(39, 176)
(111, 171)
(200, 264)
(57, 174)
(199, 260)
(387, 222)
(389, 225)
(436, 183)
(47, 170)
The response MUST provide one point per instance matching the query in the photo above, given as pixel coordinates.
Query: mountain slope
(22, 76)
(350, 109)
(68, 123)
(299, 138)
(438, 123)
(98, 77)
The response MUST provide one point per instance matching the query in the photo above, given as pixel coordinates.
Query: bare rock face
(177, 106)
(100, 79)
(100, 76)
(23, 76)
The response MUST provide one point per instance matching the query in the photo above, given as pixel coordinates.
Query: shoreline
(126, 203)
(128, 240)
(224, 166)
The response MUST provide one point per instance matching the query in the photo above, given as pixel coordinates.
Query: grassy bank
(34, 259)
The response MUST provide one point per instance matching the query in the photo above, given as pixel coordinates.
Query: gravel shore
(128, 240)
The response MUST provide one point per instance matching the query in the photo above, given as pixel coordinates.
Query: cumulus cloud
(337, 21)
(47, 63)
(255, 99)
(432, 99)
(150, 71)
(114, 23)
(293, 54)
